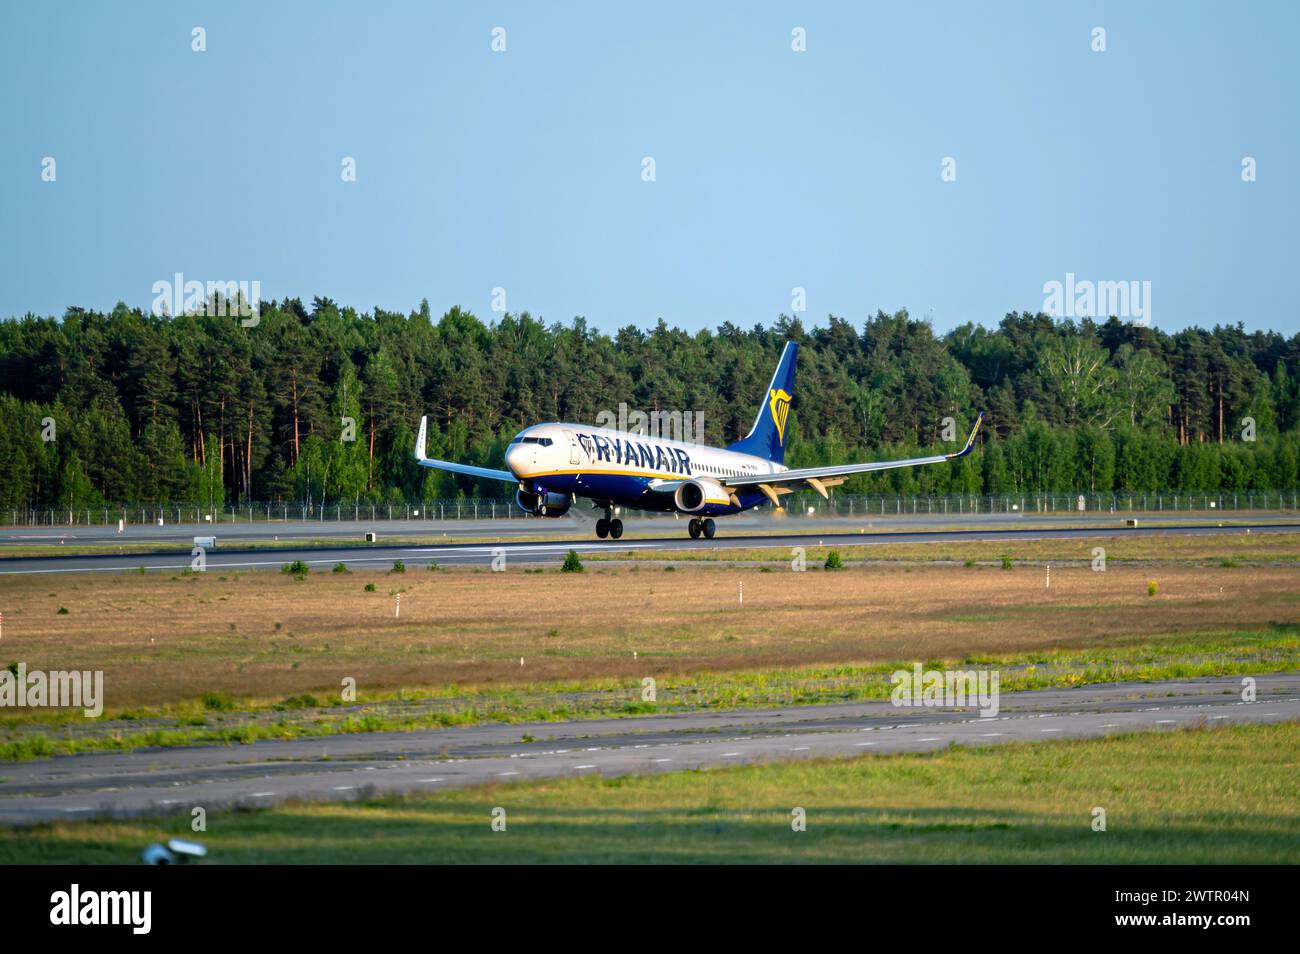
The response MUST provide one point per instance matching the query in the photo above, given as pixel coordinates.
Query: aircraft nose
(516, 459)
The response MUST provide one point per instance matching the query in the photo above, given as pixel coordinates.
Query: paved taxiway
(164, 781)
(534, 552)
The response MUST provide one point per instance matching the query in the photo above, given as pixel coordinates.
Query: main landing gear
(609, 526)
(705, 526)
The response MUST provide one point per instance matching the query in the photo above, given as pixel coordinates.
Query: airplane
(554, 464)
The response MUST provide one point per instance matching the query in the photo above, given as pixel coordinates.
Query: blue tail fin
(767, 437)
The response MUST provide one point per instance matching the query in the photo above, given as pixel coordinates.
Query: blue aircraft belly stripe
(631, 491)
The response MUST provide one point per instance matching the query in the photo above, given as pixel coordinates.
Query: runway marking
(502, 774)
(990, 735)
(584, 766)
(730, 755)
(80, 808)
(430, 780)
(933, 738)
(800, 748)
(261, 795)
(1049, 730)
(663, 760)
(860, 744)
(180, 566)
(344, 788)
(530, 548)
(1166, 721)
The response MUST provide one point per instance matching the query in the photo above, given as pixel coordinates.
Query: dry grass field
(163, 639)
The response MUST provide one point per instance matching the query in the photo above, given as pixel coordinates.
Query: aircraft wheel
(602, 528)
(709, 528)
(694, 529)
(616, 528)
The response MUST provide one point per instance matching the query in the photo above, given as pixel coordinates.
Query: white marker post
(398, 613)
(1049, 577)
(742, 592)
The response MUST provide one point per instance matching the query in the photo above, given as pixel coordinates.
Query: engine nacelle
(693, 495)
(543, 505)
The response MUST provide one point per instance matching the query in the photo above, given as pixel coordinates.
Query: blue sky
(774, 169)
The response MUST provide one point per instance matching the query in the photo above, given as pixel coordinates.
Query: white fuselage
(627, 468)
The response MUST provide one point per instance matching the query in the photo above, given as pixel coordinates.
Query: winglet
(970, 441)
(419, 440)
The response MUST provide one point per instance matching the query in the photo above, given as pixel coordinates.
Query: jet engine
(543, 504)
(692, 495)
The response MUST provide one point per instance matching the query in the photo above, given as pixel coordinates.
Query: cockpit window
(542, 441)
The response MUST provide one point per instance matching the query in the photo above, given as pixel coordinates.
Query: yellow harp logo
(780, 404)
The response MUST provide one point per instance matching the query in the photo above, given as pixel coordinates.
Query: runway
(578, 525)
(163, 781)
(553, 552)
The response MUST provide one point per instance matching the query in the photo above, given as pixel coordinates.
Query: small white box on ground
(208, 543)
(371, 536)
(1131, 522)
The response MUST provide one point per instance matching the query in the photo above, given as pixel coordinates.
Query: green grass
(1197, 796)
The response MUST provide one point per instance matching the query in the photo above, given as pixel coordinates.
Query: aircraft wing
(485, 472)
(819, 478)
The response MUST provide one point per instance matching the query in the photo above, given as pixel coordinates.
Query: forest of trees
(128, 408)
